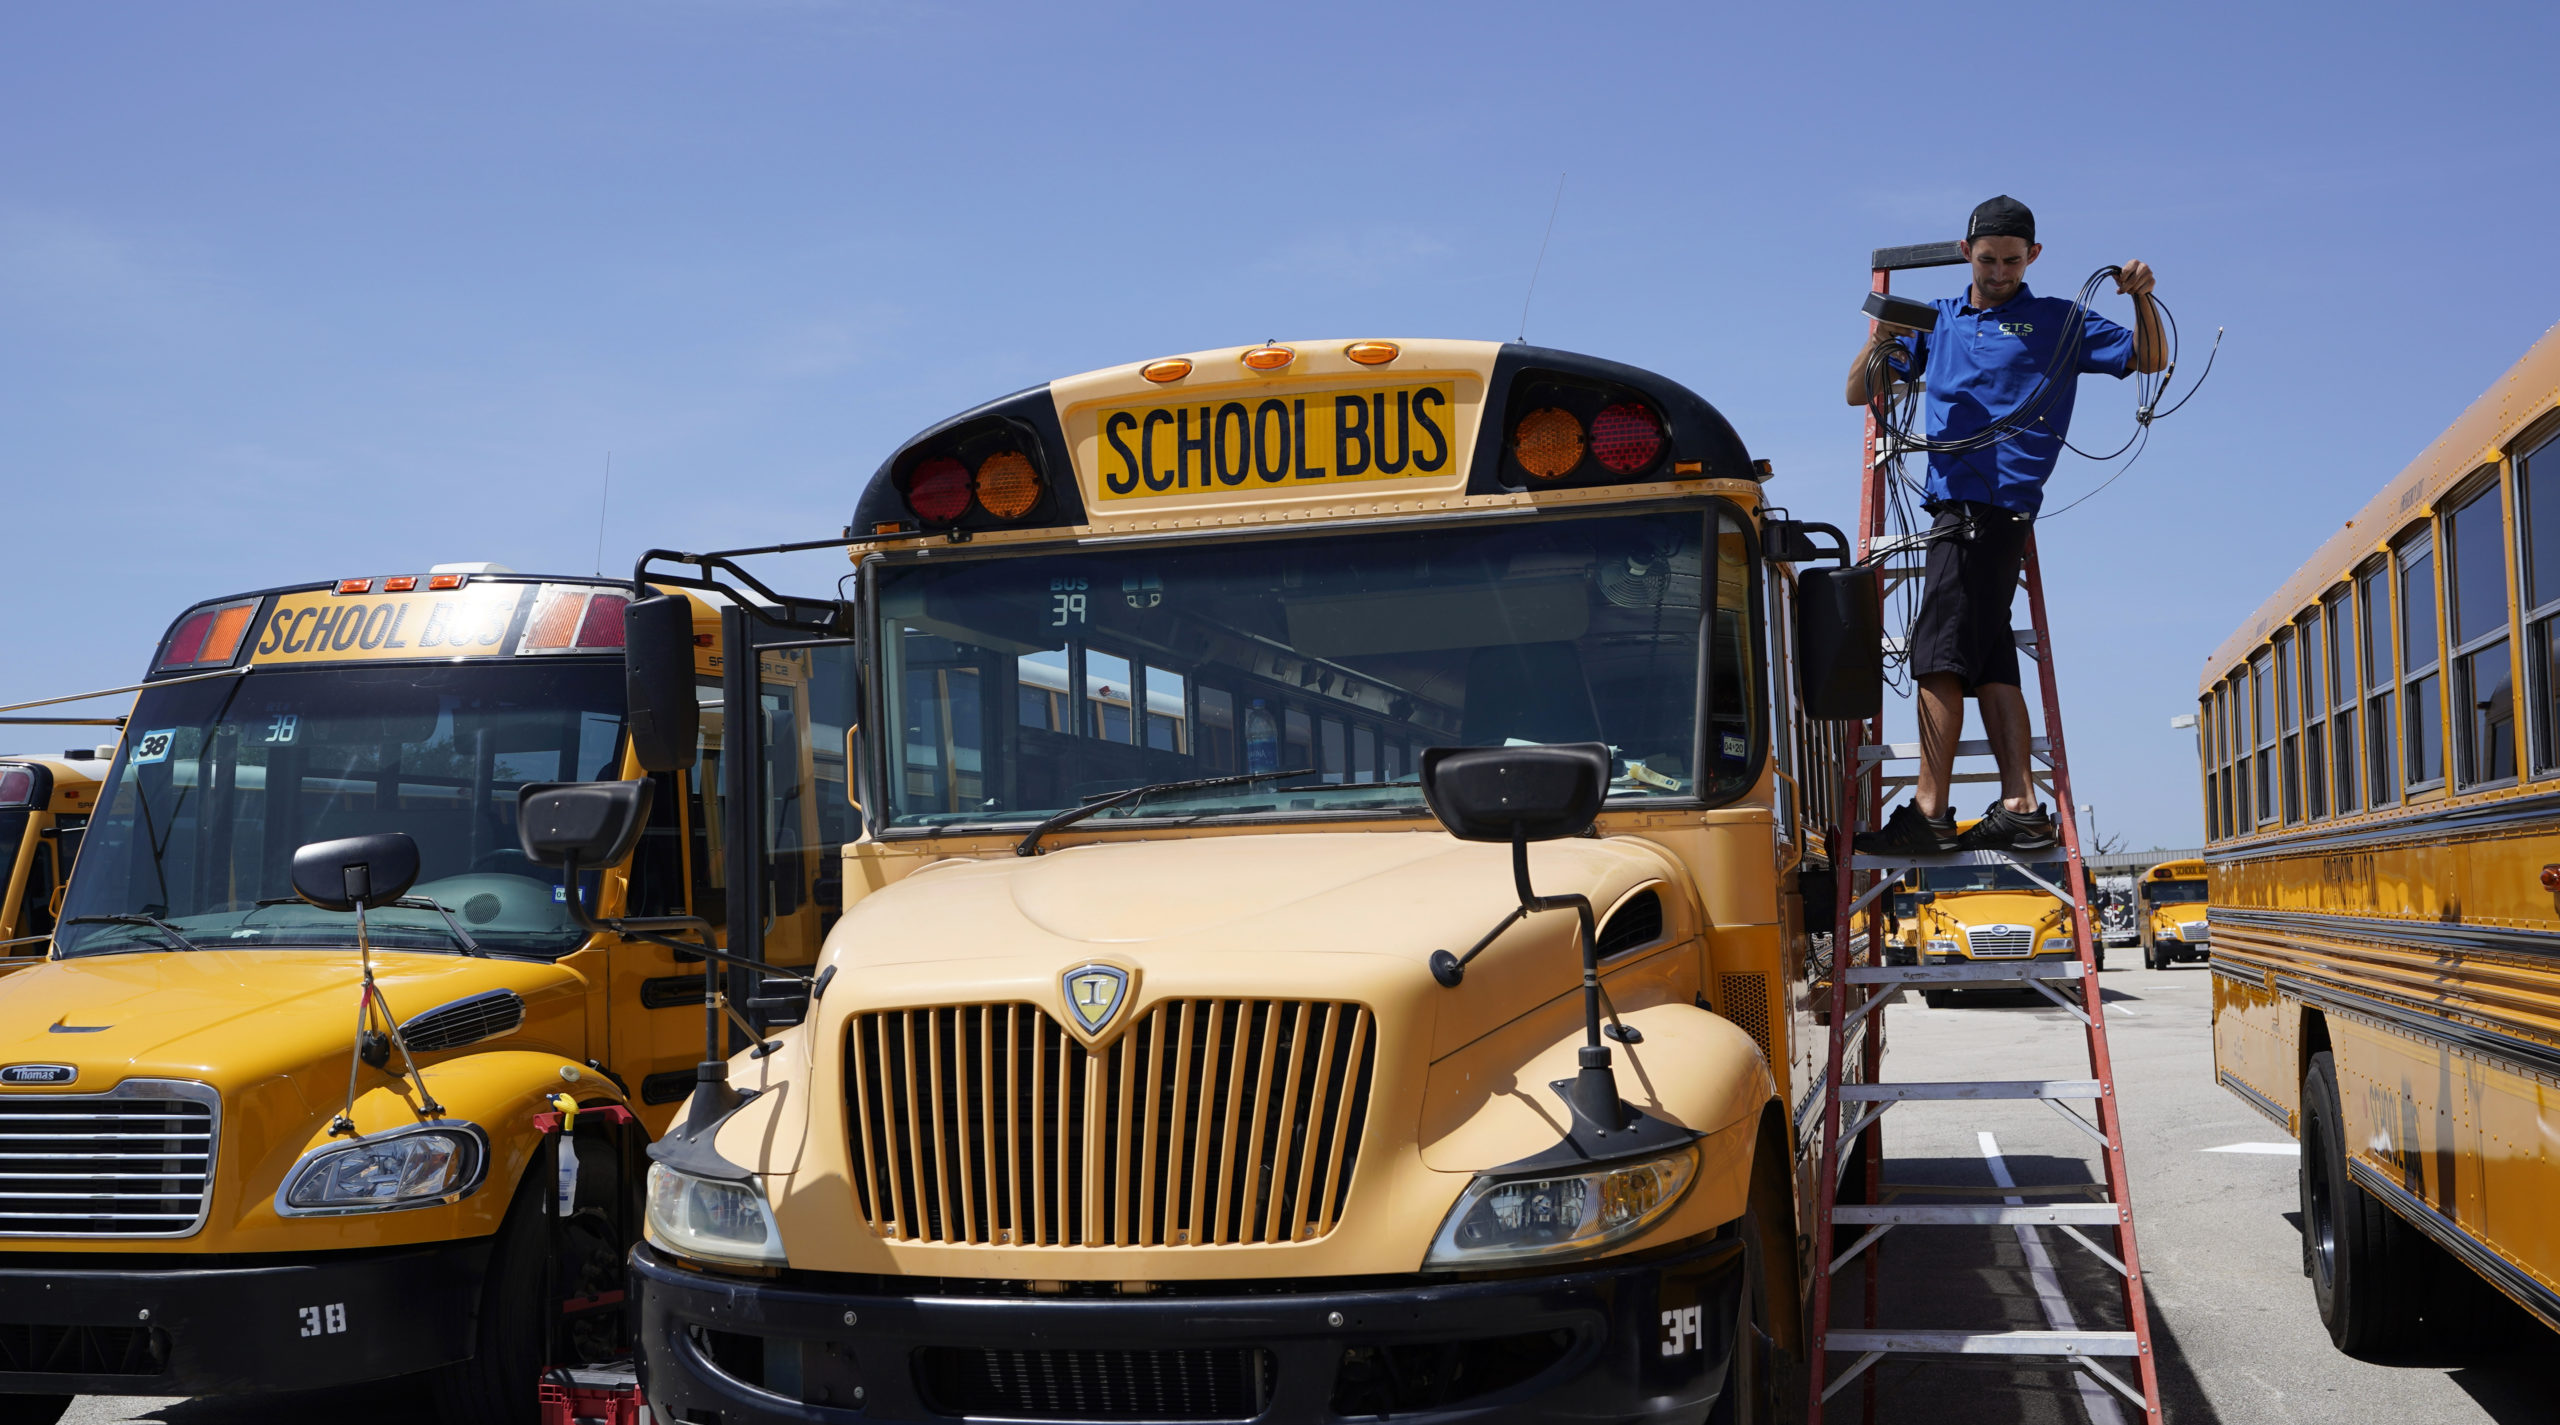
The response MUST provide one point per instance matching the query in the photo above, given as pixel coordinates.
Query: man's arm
(1885, 335)
(2150, 341)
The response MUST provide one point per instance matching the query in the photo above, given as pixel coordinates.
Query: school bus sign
(321, 627)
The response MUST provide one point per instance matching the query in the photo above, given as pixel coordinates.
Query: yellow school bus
(2169, 911)
(45, 803)
(2382, 783)
(1189, 1049)
(219, 1171)
(1999, 910)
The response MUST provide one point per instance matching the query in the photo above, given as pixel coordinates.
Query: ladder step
(1874, 752)
(1870, 861)
(1990, 1343)
(1967, 972)
(2018, 1088)
(2099, 1214)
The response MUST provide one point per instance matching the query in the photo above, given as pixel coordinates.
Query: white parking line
(2057, 1309)
(2271, 1150)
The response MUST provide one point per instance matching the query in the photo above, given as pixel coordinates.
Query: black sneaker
(1908, 833)
(2004, 830)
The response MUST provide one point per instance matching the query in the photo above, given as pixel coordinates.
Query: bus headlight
(2056, 942)
(1562, 1215)
(416, 1168)
(1942, 946)
(712, 1220)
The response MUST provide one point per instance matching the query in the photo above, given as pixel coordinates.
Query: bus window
(1297, 741)
(2262, 724)
(1168, 715)
(1217, 731)
(2381, 769)
(2342, 694)
(2538, 500)
(2476, 608)
(2291, 759)
(2315, 719)
(2422, 713)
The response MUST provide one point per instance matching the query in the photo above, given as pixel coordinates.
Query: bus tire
(1937, 999)
(500, 1383)
(1764, 1382)
(2367, 1266)
(33, 1409)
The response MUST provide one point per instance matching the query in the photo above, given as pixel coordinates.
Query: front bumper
(1649, 1340)
(90, 1326)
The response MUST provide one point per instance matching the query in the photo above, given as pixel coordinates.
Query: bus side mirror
(657, 673)
(1516, 794)
(1927, 898)
(595, 823)
(1840, 641)
(376, 869)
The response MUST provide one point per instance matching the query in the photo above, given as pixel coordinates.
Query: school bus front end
(2171, 910)
(220, 1170)
(1990, 912)
(1173, 1061)
(45, 803)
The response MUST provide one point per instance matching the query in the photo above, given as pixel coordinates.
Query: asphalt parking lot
(2239, 1342)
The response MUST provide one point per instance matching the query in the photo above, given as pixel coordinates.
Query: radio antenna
(1542, 257)
(602, 505)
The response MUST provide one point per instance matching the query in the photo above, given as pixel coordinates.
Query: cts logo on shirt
(2017, 328)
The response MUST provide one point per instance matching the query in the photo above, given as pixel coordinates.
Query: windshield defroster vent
(465, 1021)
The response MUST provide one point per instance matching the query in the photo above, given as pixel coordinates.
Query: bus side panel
(2517, 1145)
(2255, 1036)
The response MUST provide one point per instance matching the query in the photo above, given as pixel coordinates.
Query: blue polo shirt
(1983, 364)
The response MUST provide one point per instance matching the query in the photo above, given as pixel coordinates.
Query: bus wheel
(2366, 1264)
(499, 1384)
(1763, 1385)
(2150, 961)
(1937, 999)
(32, 1409)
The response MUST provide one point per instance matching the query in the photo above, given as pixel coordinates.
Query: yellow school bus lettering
(1275, 442)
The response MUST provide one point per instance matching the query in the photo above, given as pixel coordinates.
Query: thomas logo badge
(38, 1074)
(1094, 995)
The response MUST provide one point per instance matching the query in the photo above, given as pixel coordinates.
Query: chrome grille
(133, 1162)
(1207, 1122)
(464, 1021)
(1998, 942)
(2194, 932)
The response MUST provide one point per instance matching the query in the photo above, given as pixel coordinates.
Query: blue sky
(303, 291)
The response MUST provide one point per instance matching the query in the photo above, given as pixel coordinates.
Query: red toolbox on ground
(592, 1395)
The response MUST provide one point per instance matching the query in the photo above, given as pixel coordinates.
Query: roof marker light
(400, 583)
(446, 581)
(1172, 368)
(1373, 353)
(1268, 358)
(355, 586)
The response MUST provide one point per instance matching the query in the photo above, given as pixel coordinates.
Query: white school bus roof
(1294, 431)
(2479, 436)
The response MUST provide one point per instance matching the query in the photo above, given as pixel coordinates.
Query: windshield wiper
(1030, 845)
(460, 935)
(177, 938)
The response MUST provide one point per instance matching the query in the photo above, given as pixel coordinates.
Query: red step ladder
(1853, 1088)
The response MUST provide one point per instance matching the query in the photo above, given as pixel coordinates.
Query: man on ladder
(2001, 368)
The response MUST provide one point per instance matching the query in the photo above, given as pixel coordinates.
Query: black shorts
(1964, 627)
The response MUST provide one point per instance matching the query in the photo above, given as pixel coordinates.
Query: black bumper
(87, 1327)
(1646, 1341)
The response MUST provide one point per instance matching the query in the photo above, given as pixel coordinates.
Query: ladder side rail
(2101, 1061)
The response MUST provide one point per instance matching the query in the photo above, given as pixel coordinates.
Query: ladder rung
(2100, 1214)
(1970, 972)
(1869, 861)
(2015, 1088)
(1872, 753)
(1991, 1343)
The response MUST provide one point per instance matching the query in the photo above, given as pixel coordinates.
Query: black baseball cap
(2003, 216)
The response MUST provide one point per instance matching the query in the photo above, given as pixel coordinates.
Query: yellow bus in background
(1997, 910)
(45, 803)
(215, 1178)
(2382, 783)
(2169, 911)
(1178, 1060)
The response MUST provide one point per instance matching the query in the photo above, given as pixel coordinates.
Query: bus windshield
(218, 782)
(1019, 686)
(2177, 892)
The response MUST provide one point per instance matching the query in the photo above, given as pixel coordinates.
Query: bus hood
(1999, 908)
(1296, 914)
(228, 1017)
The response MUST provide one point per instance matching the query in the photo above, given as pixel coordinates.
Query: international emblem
(1094, 994)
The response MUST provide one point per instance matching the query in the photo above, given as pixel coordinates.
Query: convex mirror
(376, 869)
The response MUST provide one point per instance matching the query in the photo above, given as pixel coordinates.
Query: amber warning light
(208, 637)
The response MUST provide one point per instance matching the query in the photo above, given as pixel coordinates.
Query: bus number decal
(1683, 1329)
(329, 1320)
(1395, 433)
(282, 726)
(154, 746)
(1067, 602)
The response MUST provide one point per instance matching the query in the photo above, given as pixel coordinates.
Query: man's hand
(1881, 340)
(2134, 280)
(2150, 344)
(1889, 332)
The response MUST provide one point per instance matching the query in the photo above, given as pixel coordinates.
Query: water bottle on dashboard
(1261, 740)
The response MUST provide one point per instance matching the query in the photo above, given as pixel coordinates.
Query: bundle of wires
(1893, 399)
